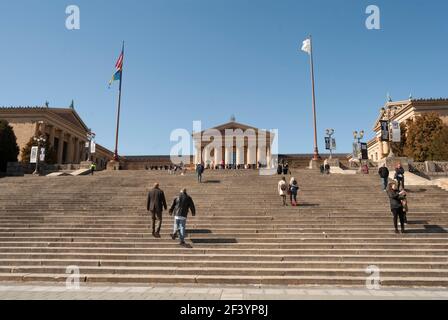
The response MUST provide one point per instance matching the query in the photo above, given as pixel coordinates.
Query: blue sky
(207, 59)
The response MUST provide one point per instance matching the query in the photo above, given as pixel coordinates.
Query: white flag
(307, 46)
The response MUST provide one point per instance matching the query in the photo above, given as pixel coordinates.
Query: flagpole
(116, 158)
(316, 155)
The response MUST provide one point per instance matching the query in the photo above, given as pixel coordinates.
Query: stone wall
(24, 132)
(432, 168)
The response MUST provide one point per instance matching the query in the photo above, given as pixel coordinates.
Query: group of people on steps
(183, 203)
(180, 207)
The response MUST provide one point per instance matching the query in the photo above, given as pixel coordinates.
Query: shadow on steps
(428, 229)
(215, 241)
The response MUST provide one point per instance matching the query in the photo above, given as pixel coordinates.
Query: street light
(358, 136)
(90, 136)
(39, 140)
(330, 133)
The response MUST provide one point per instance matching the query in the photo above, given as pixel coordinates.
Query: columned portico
(241, 145)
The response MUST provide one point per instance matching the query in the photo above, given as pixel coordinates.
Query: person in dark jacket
(180, 207)
(396, 205)
(286, 169)
(200, 171)
(279, 169)
(384, 174)
(327, 168)
(293, 189)
(399, 176)
(155, 204)
(322, 169)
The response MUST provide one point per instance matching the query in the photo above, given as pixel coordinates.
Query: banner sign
(355, 150)
(364, 151)
(42, 155)
(33, 155)
(330, 144)
(327, 143)
(384, 130)
(396, 132)
(333, 144)
(92, 147)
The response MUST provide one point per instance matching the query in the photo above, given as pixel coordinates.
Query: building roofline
(53, 111)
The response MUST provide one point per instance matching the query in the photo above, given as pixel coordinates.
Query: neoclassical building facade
(401, 111)
(236, 144)
(62, 127)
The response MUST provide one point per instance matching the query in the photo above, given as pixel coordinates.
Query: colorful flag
(118, 69)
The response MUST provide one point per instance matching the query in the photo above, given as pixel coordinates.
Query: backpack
(284, 187)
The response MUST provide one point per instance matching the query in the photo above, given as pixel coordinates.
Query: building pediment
(71, 116)
(234, 126)
(395, 109)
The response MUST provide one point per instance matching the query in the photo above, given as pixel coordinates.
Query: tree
(425, 137)
(439, 146)
(50, 153)
(9, 150)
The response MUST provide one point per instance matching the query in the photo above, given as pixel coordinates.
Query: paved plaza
(16, 291)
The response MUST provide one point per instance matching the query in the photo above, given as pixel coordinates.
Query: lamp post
(90, 136)
(389, 114)
(358, 136)
(330, 133)
(38, 140)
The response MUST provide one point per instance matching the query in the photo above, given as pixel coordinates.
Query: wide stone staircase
(241, 235)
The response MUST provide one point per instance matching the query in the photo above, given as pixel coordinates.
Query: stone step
(210, 271)
(262, 258)
(211, 250)
(216, 263)
(402, 281)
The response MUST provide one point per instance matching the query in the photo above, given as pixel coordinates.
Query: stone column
(206, 156)
(218, 156)
(228, 155)
(83, 151)
(60, 146)
(197, 157)
(40, 129)
(75, 150)
(70, 149)
(261, 154)
(269, 157)
(251, 154)
(385, 148)
(380, 147)
(240, 155)
(51, 136)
